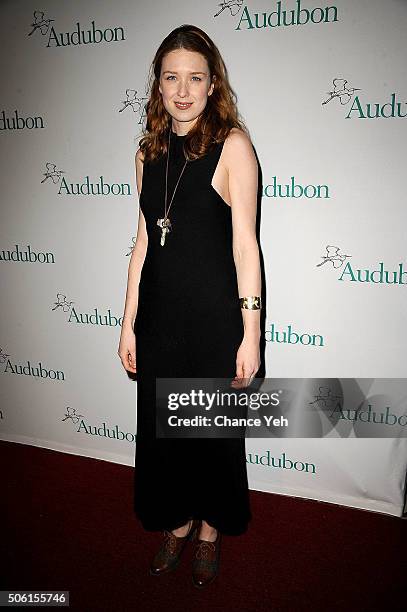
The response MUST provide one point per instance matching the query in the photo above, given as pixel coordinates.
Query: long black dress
(188, 324)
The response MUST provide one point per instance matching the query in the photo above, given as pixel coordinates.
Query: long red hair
(220, 114)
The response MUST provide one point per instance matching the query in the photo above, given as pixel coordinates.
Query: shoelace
(170, 543)
(204, 548)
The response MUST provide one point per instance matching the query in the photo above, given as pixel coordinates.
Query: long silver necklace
(164, 223)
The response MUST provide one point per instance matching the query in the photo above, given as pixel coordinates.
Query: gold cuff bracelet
(252, 302)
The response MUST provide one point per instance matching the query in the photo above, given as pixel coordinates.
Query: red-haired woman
(193, 295)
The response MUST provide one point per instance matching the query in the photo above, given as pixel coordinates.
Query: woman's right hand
(127, 349)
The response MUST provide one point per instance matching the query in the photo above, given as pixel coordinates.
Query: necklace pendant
(165, 226)
(164, 222)
(163, 234)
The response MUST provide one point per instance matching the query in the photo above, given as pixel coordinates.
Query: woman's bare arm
(127, 344)
(241, 165)
(137, 257)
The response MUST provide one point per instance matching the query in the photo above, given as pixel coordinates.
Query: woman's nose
(182, 89)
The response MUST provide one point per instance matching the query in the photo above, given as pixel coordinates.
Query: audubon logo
(17, 122)
(85, 318)
(336, 408)
(28, 369)
(324, 399)
(294, 189)
(341, 91)
(333, 256)
(76, 36)
(282, 463)
(358, 108)
(378, 275)
(104, 431)
(72, 416)
(133, 239)
(280, 17)
(333, 405)
(370, 416)
(52, 173)
(87, 187)
(137, 104)
(289, 336)
(27, 255)
(231, 6)
(3, 356)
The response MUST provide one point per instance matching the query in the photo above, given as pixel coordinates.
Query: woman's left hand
(247, 362)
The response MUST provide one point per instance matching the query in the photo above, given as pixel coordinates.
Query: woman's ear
(212, 87)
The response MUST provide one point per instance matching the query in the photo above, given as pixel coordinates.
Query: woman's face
(185, 85)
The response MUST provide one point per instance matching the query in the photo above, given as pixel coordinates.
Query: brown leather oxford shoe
(205, 565)
(168, 555)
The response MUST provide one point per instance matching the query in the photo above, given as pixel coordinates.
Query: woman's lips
(183, 105)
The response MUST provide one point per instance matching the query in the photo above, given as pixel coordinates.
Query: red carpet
(70, 525)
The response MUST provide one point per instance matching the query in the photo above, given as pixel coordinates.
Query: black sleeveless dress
(188, 324)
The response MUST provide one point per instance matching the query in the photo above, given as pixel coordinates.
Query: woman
(189, 310)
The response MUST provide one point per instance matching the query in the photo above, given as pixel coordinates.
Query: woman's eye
(171, 77)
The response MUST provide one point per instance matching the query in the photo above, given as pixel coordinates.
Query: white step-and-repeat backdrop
(322, 87)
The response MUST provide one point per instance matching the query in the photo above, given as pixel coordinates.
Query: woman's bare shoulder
(139, 156)
(238, 145)
(236, 135)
